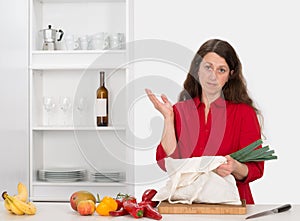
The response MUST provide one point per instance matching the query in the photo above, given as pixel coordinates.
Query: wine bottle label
(101, 107)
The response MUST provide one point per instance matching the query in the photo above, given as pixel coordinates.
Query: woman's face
(213, 74)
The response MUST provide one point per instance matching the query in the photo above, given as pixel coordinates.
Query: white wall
(14, 137)
(265, 35)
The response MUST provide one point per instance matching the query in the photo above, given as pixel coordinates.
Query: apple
(79, 196)
(86, 207)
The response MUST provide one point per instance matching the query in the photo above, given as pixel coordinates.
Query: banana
(22, 192)
(19, 207)
(32, 208)
(10, 206)
(7, 205)
(15, 209)
(26, 207)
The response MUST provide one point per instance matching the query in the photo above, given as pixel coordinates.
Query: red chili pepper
(152, 203)
(150, 212)
(120, 212)
(133, 208)
(120, 204)
(148, 194)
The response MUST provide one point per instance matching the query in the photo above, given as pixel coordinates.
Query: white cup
(83, 42)
(71, 42)
(117, 41)
(61, 45)
(99, 41)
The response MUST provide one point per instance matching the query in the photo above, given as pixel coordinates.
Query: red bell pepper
(129, 198)
(125, 197)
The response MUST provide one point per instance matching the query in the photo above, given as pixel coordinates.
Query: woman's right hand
(165, 107)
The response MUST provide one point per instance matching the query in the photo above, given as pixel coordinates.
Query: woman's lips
(212, 84)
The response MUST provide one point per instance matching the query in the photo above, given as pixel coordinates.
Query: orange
(106, 205)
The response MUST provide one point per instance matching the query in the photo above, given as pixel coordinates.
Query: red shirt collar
(219, 102)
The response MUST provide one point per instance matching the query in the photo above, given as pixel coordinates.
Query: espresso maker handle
(61, 34)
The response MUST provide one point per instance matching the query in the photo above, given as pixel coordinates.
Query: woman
(214, 115)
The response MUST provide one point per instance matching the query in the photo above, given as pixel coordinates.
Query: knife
(280, 209)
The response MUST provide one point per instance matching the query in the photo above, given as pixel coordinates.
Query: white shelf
(40, 52)
(81, 183)
(74, 1)
(48, 191)
(41, 67)
(78, 60)
(50, 67)
(62, 128)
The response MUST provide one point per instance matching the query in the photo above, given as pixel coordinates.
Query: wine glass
(49, 105)
(65, 105)
(81, 107)
(82, 104)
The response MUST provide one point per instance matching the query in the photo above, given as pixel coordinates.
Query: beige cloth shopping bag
(193, 180)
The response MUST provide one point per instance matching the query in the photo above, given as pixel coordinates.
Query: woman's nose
(213, 75)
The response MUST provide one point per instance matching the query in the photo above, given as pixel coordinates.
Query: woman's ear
(230, 74)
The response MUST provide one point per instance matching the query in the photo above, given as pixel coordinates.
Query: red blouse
(229, 127)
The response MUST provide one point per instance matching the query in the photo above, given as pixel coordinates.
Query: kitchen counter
(63, 211)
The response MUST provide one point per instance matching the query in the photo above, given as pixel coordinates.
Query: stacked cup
(97, 41)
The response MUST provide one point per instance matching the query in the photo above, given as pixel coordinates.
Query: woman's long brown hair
(235, 90)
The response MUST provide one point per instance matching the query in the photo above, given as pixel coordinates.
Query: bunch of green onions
(251, 153)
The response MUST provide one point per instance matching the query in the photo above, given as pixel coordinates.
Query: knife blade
(280, 209)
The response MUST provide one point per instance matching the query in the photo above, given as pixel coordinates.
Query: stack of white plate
(107, 176)
(62, 174)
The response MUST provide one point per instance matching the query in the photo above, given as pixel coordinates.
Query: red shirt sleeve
(160, 152)
(160, 157)
(250, 132)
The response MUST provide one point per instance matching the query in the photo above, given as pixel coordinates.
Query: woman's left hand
(227, 168)
(234, 167)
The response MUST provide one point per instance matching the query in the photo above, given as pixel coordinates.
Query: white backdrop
(266, 37)
(14, 135)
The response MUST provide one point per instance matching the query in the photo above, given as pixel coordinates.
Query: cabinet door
(14, 94)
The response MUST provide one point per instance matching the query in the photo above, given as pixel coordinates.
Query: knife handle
(283, 208)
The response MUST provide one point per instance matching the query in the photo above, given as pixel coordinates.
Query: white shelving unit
(71, 139)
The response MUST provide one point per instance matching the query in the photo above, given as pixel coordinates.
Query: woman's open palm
(165, 107)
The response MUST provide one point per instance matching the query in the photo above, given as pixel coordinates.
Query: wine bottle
(102, 102)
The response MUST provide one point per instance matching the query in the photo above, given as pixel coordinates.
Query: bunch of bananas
(18, 204)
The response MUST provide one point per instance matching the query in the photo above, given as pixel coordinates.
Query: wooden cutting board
(201, 208)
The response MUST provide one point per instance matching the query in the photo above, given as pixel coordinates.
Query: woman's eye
(207, 67)
(222, 70)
